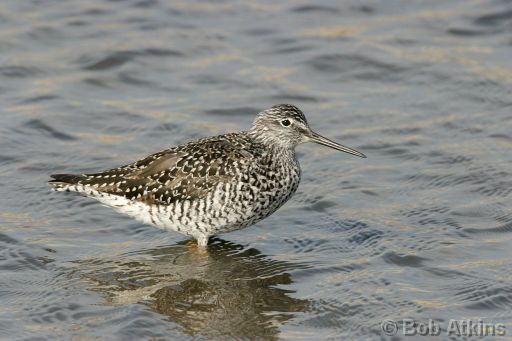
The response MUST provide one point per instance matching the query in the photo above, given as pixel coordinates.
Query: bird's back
(180, 173)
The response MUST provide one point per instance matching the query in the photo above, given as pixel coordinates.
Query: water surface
(421, 229)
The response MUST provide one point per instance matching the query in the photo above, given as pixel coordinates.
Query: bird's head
(285, 125)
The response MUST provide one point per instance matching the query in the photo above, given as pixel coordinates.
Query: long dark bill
(314, 137)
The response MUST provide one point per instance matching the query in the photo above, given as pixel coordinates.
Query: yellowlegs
(212, 185)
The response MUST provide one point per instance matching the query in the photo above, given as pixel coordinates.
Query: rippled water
(421, 229)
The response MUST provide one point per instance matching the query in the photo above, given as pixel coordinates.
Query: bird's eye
(285, 123)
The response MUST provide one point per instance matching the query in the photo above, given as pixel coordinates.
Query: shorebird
(212, 185)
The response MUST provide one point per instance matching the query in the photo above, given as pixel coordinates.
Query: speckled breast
(259, 192)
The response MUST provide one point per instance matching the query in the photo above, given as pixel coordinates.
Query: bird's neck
(275, 152)
(272, 141)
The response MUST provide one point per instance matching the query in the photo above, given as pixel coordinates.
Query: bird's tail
(65, 182)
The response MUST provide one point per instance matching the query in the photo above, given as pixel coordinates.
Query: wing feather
(186, 172)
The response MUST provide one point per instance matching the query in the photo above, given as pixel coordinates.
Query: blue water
(421, 229)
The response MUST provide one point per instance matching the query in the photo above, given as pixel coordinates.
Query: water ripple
(47, 130)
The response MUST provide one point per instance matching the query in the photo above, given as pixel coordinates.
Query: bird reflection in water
(227, 292)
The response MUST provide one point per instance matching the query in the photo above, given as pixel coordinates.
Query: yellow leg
(196, 248)
(192, 243)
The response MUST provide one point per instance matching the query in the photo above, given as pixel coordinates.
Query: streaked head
(285, 125)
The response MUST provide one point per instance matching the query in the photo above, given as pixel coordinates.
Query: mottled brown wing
(186, 172)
